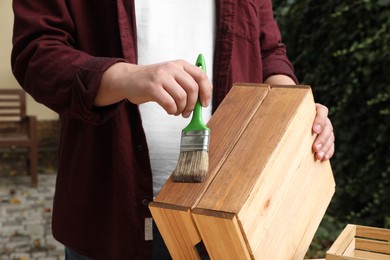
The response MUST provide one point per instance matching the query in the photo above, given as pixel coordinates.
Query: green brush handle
(197, 123)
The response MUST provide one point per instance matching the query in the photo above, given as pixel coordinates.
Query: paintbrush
(193, 162)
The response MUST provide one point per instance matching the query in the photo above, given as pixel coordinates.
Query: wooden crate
(361, 242)
(265, 194)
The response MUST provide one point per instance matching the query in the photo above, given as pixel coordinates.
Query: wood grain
(178, 230)
(226, 127)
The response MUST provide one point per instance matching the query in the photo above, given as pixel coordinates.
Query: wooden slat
(349, 251)
(9, 99)
(341, 257)
(178, 230)
(293, 195)
(15, 91)
(373, 233)
(9, 114)
(370, 255)
(9, 107)
(373, 245)
(317, 213)
(12, 105)
(14, 140)
(278, 210)
(231, 245)
(343, 240)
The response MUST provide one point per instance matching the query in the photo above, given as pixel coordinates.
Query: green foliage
(342, 49)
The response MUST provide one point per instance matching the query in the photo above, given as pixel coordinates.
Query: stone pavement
(25, 219)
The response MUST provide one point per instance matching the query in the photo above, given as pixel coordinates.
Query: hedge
(342, 50)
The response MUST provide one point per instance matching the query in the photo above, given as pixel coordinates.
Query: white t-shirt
(171, 30)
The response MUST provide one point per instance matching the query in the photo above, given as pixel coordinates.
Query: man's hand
(174, 85)
(323, 145)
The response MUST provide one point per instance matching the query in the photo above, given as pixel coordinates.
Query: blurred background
(25, 212)
(340, 48)
(11, 162)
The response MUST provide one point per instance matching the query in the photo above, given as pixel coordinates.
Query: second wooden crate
(360, 242)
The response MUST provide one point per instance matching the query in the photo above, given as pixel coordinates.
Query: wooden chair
(18, 130)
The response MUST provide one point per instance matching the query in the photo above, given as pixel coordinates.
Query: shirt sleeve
(275, 60)
(48, 65)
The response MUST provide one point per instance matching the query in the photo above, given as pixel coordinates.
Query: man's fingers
(324, 142)
(165, 100)
(320, 119)
(175, 85)
(204, 84)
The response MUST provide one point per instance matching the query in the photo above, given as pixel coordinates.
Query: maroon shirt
(104, 183)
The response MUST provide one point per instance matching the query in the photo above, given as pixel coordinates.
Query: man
(79, 58)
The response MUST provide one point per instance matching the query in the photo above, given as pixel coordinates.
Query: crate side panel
(271, 192)
(295, 223)
(178, 230)
(243, 168)
(226, 127)
(222, 236)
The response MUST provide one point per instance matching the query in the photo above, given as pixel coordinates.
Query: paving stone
(25, 219)
(21, 256)
(57, 253)
(39, 255)
(11, 230)
(35, 230)
(20, 238)
(48, 258)
(54, 244)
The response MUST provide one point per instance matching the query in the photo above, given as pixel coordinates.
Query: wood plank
(341, 257)
(227, 124)
(237, 177)
(289, 210)
(179, 232)
(231, 245)
(343, 240)
(371, 255)
(349, 251)
(373, 233)
(317, 214)
(297, 217)
(373, 245)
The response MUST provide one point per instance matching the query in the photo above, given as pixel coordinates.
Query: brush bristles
(191, 167)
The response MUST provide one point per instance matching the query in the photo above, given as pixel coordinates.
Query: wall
(7, 79)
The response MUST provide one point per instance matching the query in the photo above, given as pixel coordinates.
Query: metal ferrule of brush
(195, 141)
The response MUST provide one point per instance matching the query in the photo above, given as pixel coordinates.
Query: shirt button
(140, 147)
(145, 202)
